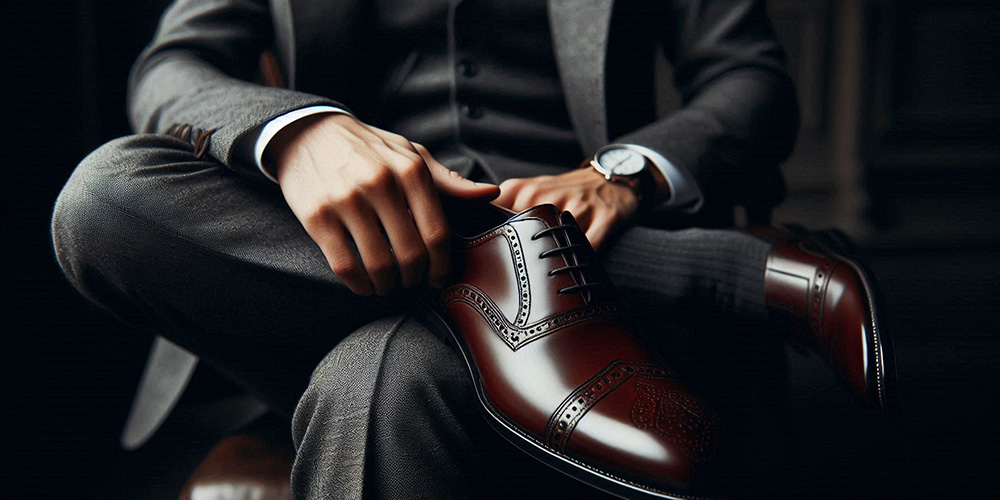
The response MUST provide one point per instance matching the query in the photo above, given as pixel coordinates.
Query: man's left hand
(599, 206)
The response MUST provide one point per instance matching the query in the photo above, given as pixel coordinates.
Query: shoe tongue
(547, 212)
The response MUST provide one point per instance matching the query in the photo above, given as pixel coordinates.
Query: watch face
(621, 161)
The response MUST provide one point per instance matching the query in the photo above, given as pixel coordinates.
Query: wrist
(284, 146)
(627, 165)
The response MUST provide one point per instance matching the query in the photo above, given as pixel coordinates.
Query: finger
(364, 227)
(428, 214)
(404, 238)
(582, 213)
(334, 241)
(526, 198)
(599, 230)
(453, 184)
(508, 191)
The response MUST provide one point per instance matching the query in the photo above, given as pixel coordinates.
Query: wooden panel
(935, 72)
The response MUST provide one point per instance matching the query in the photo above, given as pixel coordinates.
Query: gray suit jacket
(737, 122)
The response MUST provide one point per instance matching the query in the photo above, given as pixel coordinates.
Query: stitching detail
(524, 294)
(817, 299)
(483, 238)
(516, 336)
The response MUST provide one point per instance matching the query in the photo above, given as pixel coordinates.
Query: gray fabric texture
(383, 402)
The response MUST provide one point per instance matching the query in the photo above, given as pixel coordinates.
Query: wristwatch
(621, 164)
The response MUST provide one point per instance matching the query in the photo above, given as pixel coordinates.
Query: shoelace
(569, 247)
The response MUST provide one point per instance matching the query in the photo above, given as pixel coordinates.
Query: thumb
(453, 184)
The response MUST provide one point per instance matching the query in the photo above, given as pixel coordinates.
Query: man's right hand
(345, 181)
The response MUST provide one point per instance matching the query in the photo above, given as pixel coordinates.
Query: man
(259, 226)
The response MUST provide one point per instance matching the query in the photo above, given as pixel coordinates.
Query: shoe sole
(578, 470)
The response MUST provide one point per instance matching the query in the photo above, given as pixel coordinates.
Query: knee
(396, 356)
(396, 350)
(85, 215)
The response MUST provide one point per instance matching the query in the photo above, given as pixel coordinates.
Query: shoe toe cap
(850, 331)
(650, 432)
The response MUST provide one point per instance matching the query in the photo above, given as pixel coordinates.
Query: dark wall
(917, 184)
(68, 369)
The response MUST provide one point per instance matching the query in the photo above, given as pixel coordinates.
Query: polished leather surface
(243, 467)
(831, 303)
(568, 370)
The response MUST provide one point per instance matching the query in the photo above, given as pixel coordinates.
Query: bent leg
(210, 259)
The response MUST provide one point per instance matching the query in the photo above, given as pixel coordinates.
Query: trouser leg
(386, 415)
(391, 413)
(215, 261)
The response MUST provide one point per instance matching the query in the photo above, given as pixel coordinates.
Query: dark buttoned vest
(476, 83)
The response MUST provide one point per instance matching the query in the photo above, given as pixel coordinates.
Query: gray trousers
(217, 263)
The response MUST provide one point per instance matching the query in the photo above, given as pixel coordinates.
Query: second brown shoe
(253, 465)
(558, 365)
(832, 303)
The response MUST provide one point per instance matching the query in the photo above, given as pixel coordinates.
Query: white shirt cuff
(684, 191)
(279, 122)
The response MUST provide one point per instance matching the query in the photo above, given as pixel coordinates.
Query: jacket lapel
(322, 32)
(580, 40)
(284, 34)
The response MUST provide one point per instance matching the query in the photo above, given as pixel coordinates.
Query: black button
(471, 110)
(467, 68)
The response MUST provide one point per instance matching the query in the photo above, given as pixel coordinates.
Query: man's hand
(599, 206)
(345, 181)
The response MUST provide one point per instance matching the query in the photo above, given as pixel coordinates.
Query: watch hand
(614, 168)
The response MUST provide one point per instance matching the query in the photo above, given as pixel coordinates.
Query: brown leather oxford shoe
(832, 303)
(249, 466)
(557, 364)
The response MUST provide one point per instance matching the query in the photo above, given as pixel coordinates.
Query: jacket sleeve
(199, 70)
(740, 115)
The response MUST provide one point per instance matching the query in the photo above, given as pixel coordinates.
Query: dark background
(898, 147)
